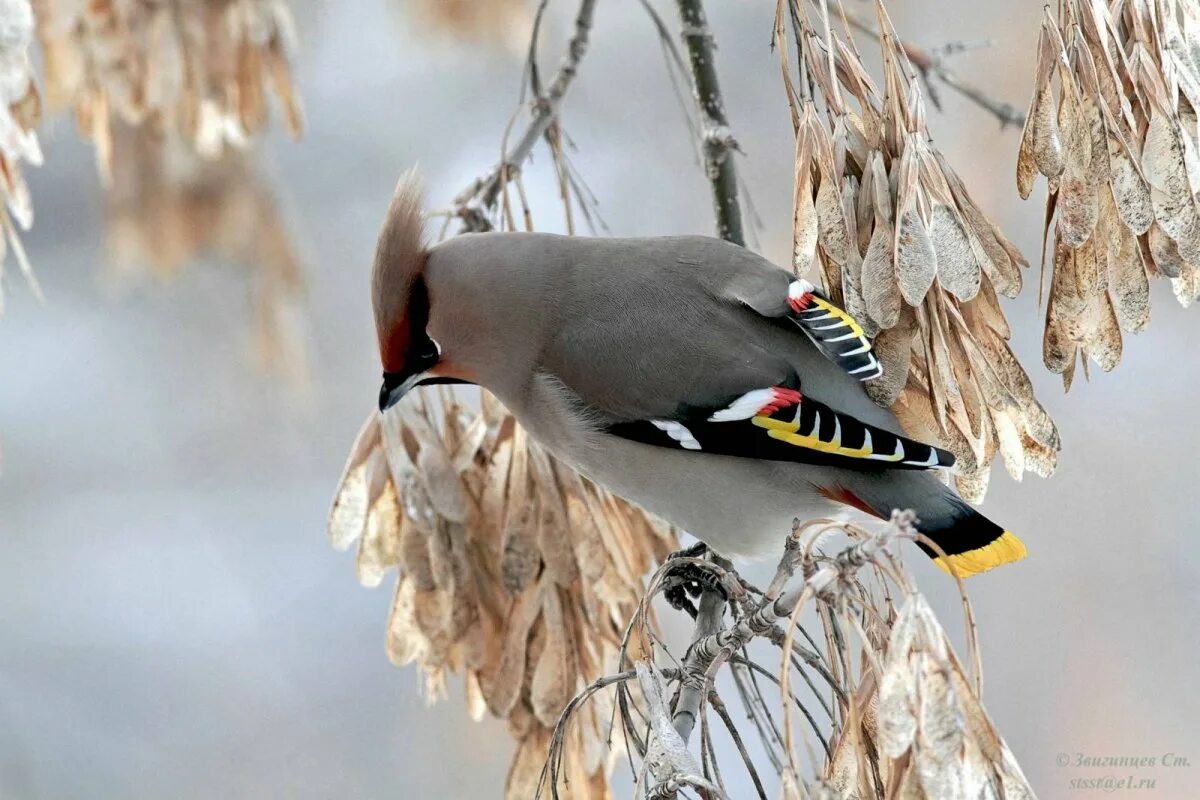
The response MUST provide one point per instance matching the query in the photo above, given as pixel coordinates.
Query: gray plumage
(576, 334)
(678, 372)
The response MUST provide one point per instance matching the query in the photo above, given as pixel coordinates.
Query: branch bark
(716, 136)
(927, 63)
(713, 644)
(475, 202)
(694, 680)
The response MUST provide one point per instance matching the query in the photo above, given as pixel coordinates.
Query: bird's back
(636, 324)
(587, 340)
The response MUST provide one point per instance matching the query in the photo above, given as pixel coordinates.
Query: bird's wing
(835, 333)
(697, 344)
(778, 423)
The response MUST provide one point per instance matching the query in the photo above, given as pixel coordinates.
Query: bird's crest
(399, 259)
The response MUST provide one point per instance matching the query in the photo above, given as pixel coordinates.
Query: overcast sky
(172, 622)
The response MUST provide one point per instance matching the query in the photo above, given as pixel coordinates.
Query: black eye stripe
(428, 350)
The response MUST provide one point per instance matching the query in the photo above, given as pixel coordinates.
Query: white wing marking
(678, 432)
(744, 407)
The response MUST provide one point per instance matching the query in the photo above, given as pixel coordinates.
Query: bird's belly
(739, 507)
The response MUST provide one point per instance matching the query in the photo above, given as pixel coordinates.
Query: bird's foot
(685, 582)
(698, 550)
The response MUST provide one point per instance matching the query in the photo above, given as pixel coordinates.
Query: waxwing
(684, 373)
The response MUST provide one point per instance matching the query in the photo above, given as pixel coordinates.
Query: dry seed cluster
(161, 90)
(513, 570)
(505, 22)
(868, 697)
(1113, 127)
(897, 239)
(930, 721)
(168, 207)
(20, 111)
(196, 70)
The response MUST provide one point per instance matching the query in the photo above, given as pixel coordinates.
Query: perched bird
(684, 373)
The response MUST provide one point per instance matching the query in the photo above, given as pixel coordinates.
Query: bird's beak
(395, 386)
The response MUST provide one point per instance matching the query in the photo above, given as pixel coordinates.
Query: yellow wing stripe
(782, 426)
(1004, 550)
(840, 314)
(787, 432)
(814, 443)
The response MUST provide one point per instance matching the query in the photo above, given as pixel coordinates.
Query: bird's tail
(972, 543)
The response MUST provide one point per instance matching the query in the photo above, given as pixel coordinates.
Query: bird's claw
(698, 550)
(676, 595)
(685, 582)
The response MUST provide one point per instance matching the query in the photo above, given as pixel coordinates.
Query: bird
(686, 374)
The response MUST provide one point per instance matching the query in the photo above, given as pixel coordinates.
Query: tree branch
(475, 202)
(713, 644)
(928, 63)
(694, 678)
(884, 660)
(716, 137)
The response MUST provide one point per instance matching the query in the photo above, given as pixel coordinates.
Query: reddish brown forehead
(401, 317)
(393, 346)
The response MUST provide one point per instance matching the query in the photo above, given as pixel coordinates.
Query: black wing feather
(811, 433)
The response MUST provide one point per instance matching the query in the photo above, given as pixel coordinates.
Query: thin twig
(551, 770)
(707, 744)
(928, 63)
(755, 706)
(476, 202)
(718, 140)
(676, 67)
(738, 661)
(866, 642)
(718, 705)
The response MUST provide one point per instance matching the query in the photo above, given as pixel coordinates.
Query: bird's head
(400, 297)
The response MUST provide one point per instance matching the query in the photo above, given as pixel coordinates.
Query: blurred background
(172, 620)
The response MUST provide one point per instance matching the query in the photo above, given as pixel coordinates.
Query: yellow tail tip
(1003, 550)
